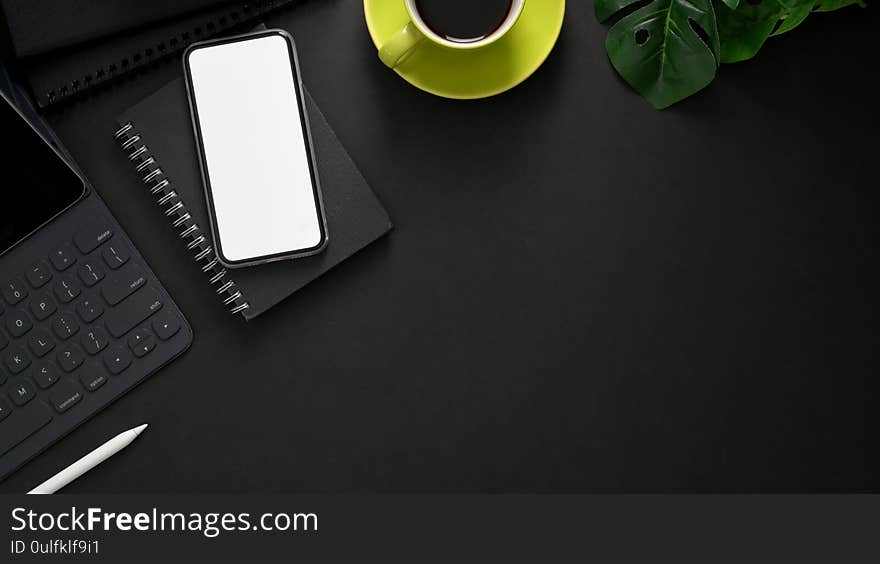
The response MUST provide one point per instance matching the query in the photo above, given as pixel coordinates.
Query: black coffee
(464, 20)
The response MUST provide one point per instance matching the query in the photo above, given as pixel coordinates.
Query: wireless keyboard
(82, 320)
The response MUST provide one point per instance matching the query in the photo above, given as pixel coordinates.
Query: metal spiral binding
(158, 184)
(237, 17)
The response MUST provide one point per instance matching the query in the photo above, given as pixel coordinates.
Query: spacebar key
(134, 310)
(22, 423)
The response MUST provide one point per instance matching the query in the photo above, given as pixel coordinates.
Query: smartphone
(255, 148)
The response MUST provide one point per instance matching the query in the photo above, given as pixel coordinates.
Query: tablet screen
(36, 183)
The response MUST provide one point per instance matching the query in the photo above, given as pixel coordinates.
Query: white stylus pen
(88, 461)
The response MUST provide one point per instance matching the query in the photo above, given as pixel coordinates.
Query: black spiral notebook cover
(69, 48)
(156, 137)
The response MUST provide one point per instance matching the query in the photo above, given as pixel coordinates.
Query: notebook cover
(355, 217)
(60, 75)
(38, 26)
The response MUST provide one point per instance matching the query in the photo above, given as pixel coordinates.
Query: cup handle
(401, 46)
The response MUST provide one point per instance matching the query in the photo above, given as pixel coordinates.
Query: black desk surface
(582, 293)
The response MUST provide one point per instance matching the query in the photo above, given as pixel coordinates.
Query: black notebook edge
(43, 26)
(239, 297)
(60, 77)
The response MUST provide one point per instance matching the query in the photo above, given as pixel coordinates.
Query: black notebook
(156, 137)
(68, 47)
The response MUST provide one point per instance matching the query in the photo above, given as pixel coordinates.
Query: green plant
(669, 49)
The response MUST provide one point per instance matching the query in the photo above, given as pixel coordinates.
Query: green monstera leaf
(670, 49)
(744, 30)
(666, 50)
(831, 5)
(794, 14)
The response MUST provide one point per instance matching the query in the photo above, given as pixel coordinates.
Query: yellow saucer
(479, 73)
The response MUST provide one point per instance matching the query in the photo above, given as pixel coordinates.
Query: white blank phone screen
(256, 159)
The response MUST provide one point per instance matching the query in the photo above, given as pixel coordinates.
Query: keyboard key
(117, 359)
(66, 290)
(115, 255)
(65, 395)
(94, 340)
(70, 358)
(5, 409)
(141, 342)
(93, 236)
(132, 312)
(16, 359)
(3, 377)
(21, 391)
(144, 348)
(89, 310)
(38, 275)
(14, 291)
(45, 374)
(138, 337)
(4, 340)
(90, 273)
(166, 325)
(43, 306)
(65, 326)
(41, 342)
(21, 424)
(92, 378)
(63, 257)
(18, 323)
(124, 283)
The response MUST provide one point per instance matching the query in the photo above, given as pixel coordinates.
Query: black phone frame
(307, 138)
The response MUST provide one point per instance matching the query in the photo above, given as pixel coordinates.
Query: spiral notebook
(69, 48)
(156, 137)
